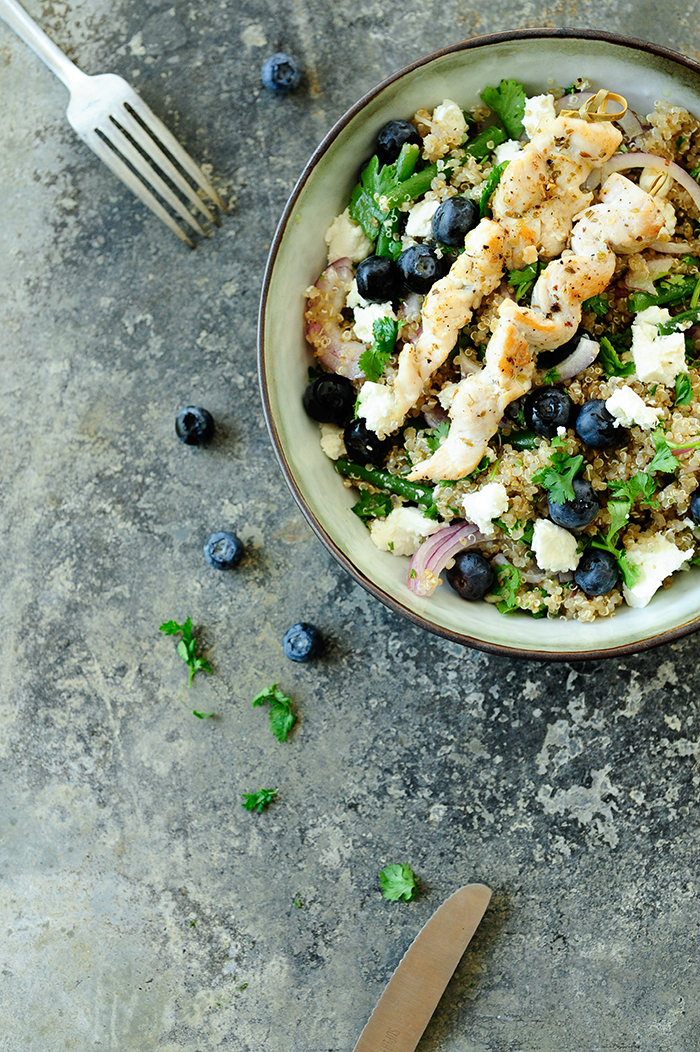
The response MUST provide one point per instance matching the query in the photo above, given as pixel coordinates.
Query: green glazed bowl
(641, 72)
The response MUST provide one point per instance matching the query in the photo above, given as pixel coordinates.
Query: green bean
(422, 495)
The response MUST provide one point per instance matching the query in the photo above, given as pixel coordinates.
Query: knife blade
(411, 995)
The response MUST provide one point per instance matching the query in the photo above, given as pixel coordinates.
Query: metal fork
(110, 117)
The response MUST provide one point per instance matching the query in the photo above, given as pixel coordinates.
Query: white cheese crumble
(555, 549)
(657, 359)
(420, 219)
(332, 442)
(365, 318)
(506, 151)
(537, 109)
(449, 123)
(485, 505)
(402, 531)
(629, 409)
(347, 240)
(376, 405)
(354, 299)
(656, 559)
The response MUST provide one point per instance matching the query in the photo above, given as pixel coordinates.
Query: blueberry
(363, 446)
(694, 507)
(301, 642)
(392, 137)
(420, 267)
(472, 576)
(223, 550)
(194, 426)
(547, 409)
(577, 513)
(596, 426)
(280, 73)
(597, 572)
(453, 220)
(378, 279)
(330, 399)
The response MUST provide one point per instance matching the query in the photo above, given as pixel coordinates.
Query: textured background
(141, 907)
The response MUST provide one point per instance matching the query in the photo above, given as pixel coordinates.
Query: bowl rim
(502, 650)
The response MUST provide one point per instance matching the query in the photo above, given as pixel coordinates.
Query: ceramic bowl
(641, 72)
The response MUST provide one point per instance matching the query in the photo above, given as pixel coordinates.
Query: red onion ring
(585, 354)
(621, 161)
(434, 553)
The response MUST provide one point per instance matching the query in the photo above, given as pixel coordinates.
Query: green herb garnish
(551, 376)
(398, 881)
(663, 459)
(557, 477)
(523, 280)
(610, 360)
(490, 185)
(671, 289)
(282, 718)
(186, 649)
(508, 584)
(684, 391)
(600, 305)
(372, 505)
(373, 361)
(433, 437)
(508, 102)
(678, 322)
(258, 801)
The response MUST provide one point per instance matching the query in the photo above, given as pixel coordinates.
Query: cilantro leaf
(372, 505)
(186, 648)
(433, 436)
(397, 882)
(523, 280)
(373, 361)
(490, 185)
(679, 321)
(508, 584)
(600, 305)
(642, 485)
(485, 143)
(557, 477)
(610, 360)
(282, 718)
(671, 289)
(663, 459)
(508, 102)
(551, 376)
(258, 801)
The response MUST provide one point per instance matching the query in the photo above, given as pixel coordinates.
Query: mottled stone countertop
(142, 907)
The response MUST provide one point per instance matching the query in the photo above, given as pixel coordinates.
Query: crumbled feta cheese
(449, 123)
(555, 549)
(656, 559)
(420, 219)
(506, 151)
(402, 531)
(365, 318)
(537, 109)
(629, 409)
(353, 298)
(485, 505)
(657, 359)
(347, 240)
(375, 405)
(332, 442)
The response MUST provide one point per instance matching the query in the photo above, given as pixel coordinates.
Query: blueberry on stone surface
(596, 426)
(223, 550)
(378, 279)
(547, 409)
(453, 220)
(392, 137)
(420, 268)
(280, 73)
(694, 507)
(579, 512)
(301, 642)
(330, 399)
(194, 426)
(363, 446)
(597, 572)
(472, 576)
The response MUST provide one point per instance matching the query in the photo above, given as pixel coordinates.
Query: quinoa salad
(506, 349)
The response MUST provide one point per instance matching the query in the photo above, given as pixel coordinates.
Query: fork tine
(118, 139)
(120, 169)
(159, 131)
(128, 122)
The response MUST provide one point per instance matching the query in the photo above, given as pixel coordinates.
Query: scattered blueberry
(280, 73)
(472, 576)
(392, 137)
(547, 409)
(694, 507)
(223, 550)
(577, 513)
(453, 220)
(301, 642)
(194, 426)
(363, 446)
(330, 399)
(420, 267)
(378, 279)
(596, 426)
(597, 572)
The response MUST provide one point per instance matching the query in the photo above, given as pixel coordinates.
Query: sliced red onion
(411, 307)
(621, 161)
(573, 102)
(435, 416)
(676, 248)
(656, 268)
(433, 555)
(584, 355)
(325, 333)
(631, 124)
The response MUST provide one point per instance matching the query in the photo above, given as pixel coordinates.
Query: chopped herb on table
(373, 361)
(186, 649)
(282, 718)
(398, 882)
(258, 801)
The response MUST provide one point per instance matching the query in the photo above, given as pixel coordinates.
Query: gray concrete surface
(142, 907)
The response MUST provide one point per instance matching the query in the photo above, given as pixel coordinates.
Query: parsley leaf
(508, 584)
(490, 185)
(508, 102)
(523, 280)
(610, 360)
(684, 392)
(373, 360)
(372, 505)
(398, 881)
(258, 801)
(557, 477)
(186, 648)
(282, 718)
(600, 305)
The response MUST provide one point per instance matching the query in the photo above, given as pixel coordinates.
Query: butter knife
(411, 995)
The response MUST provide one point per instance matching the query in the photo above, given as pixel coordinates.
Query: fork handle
(26, 28)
